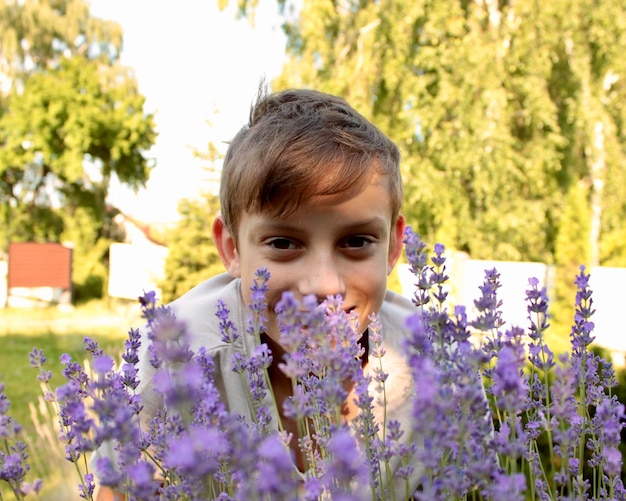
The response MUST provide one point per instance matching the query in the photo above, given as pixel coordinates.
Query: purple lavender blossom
(31, 488)
(604, 441)
(300, 405)
(509, 487)
(258, 304)
(86, 489)
(197, 451)
(108, 474)
(290, 317)
(439, 276)
(75, 420)
(415, 250)
(91, 346)
(346, 474)
(130, 357)
(450, 412)
(169, 340)
(581, 334)
(327, 353)
(509, 384)
(537, 308)
(259, 361)
(227, 328)
(203, 452)
(488, 305)
(566, 424)
(102, 364)
(13, 456)
(275, 470)
(420, 341)
(143, 484)
(367, 430)
(37, 360)
(13, 469)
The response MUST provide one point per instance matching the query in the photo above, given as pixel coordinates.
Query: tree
(192, 255)
(67, 133)
(571, 252)
(71, 120)
(508, 114)
(499, 109)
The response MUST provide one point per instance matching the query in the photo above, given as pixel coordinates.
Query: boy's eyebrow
(379, 222)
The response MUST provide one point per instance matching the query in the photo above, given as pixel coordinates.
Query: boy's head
(311, 191)
(299, 144)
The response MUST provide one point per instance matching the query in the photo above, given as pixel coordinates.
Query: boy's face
(339, 244)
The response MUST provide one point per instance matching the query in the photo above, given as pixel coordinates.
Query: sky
(199, 69)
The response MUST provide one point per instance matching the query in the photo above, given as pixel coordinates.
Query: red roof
(40, 265)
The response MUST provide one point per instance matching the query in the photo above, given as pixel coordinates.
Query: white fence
(606, 283)
(465, 277)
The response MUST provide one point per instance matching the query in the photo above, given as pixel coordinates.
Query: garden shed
(39, 274)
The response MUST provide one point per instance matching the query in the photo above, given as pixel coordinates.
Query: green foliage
(64, 137)
(90, 253)
(572, 250)
(71, 120)
(56, 332)
(192, 255)
(613, 237)
(21, 380)
(496, 107)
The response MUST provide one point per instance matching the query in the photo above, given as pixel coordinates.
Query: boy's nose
(322, 278)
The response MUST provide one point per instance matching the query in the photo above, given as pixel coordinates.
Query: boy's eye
(357, 242)
(282, 244)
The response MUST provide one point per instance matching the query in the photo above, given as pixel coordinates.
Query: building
(39, 274)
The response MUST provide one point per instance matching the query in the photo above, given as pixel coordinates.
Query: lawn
(56, 332)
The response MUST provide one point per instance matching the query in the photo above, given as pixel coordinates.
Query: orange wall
(40, 265)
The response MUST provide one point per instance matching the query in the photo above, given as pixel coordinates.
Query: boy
(311, 191)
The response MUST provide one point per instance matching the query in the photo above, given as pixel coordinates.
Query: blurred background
(114, 116)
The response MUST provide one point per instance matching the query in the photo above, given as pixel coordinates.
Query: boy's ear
(395, 243)
(226, 247)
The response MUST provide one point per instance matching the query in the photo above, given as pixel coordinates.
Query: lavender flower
(581, 334)
(509, 384)
(604, 442)
(509, 487)
(464, 441)
(566, 424)
(227, 328)
(415, 250)
(275, 470)
(86, 489)
(439, 276)
(130, 357)
(537, 309)
(74, 417)
(367, 429)
(258, 304)
(169, 340)
(13, 456)
(37, 360)
(488, 306)
(345, 470)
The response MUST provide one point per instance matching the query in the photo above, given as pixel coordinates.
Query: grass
(56, 331)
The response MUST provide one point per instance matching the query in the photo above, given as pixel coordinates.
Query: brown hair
(299, 144)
